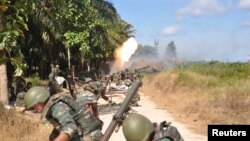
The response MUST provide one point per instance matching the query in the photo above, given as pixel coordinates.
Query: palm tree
(12, 24)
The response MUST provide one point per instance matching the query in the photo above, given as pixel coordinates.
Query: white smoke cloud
(171, 30)
(244, 4)
(123, 53)
(202, 7)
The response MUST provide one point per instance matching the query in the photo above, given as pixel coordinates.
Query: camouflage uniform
(99, 89)
(136, 98)
(114, 78)
(19, 99)
(127, 74)
(20, 84)
(137, 76)
(19, 87)
(118, 78)
(88, 99)
(52, 73)
(69, 117)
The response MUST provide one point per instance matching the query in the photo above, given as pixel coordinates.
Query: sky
(201, 29)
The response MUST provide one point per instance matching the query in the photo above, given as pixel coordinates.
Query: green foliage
(73, 38)
(34, 79)
(8, 38)
(216, 73)
(43, 30)
(222, 70)
(12, 25)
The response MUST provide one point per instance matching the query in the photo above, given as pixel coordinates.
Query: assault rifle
(122, 111)
(71, 85)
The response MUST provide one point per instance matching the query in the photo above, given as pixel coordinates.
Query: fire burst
(123, 53)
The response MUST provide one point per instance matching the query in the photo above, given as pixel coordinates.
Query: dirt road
(154, 113)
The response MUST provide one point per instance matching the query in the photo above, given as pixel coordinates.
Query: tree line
(37, 33)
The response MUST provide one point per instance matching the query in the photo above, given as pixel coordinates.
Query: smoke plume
(123, 53)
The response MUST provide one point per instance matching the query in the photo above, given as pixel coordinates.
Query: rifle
(71, 86)
(121, 112)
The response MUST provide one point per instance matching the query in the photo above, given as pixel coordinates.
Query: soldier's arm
(90, 89)
(95, 87)
(87, 87)
(60, 112)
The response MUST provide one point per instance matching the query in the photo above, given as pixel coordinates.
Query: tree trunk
(69, 65)
(3, 78)
(3, 84)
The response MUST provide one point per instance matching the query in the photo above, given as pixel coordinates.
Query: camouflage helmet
(35, 95)
(137, 127)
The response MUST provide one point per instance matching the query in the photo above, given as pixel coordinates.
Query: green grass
(221, 70)
(218, 92)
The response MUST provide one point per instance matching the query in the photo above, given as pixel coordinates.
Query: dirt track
(154, 113)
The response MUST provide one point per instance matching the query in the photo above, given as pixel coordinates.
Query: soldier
(137, 127)
(125, 73)
(136, 98)
(19, 99)
(117, 77)
(88, 100)
(54, 85)
(52, 73)
(71, 121)
(57, 70)
(19, 87)
(20, 84)
(72, 77)
(21, 94)
(28, 86)
(137, 76)
(98, 88)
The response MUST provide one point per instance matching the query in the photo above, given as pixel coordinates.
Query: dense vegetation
(37, 33)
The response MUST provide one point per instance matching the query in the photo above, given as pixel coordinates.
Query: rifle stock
(120, 112)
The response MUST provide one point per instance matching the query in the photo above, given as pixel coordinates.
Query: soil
(155, 112)
(192, 121)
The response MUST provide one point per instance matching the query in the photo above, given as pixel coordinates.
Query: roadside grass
(16, 127)
(216, 93)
